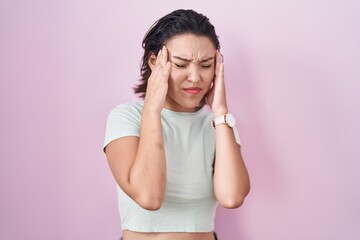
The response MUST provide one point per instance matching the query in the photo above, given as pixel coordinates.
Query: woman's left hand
(216, 97)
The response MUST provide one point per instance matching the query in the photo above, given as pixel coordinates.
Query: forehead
(190, 46)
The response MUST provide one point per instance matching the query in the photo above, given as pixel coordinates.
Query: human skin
(187, 69)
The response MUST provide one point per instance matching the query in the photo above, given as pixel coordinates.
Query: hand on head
(216, 97)
(157, 86)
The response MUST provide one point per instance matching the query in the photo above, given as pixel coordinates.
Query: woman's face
(192, 71)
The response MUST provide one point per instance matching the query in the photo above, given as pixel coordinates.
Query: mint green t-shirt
(189, 140)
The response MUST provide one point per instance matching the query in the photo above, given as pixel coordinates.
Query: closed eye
(179, 65)
(206, 66)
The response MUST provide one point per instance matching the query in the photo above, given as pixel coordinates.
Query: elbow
(232, 203)
(234, 200)
(150, 203)
(151, 206)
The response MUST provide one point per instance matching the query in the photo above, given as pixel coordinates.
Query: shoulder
(127, 110)
(126, 113)
(128, 107)
(123, 120)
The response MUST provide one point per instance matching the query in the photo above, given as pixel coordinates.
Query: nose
(194, 74)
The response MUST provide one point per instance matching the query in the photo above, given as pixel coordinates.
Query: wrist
(220, 112)
(151, 108)
(153, 103)
(227, 119)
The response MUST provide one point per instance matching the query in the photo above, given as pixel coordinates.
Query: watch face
(230, 120)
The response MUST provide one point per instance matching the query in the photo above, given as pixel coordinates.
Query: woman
(173, 159)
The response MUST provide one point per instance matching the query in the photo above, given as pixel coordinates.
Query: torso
(189, 206)
(130, 235)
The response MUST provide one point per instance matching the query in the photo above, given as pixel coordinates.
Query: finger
(164, 57)
(167, 69)
(218, 63)
(221, 72)
(158, 57)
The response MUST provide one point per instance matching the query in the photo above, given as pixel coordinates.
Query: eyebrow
(189, 60)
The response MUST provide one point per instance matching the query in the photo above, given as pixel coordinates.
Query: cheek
(176, 76)
(208, 80)
(175, 80)
(208, 77)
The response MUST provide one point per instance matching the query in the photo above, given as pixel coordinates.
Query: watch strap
(219, 120)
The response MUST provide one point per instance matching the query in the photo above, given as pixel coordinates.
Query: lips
(192, 90)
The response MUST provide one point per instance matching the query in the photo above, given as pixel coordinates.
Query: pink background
(292, 72)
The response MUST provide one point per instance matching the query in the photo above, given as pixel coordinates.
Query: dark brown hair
(175, 23)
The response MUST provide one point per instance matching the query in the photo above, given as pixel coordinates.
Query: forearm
(148, 172)
(231, 179)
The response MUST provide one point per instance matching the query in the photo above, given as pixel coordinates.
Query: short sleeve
(237, 137)
(123, 120)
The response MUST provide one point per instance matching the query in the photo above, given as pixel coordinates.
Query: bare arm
(231, 179)
(138, 164)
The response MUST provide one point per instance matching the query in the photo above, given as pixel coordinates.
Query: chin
(185, 104)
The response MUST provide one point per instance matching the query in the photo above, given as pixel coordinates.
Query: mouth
(192, 90)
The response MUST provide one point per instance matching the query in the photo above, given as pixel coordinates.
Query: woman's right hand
(157, 86)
